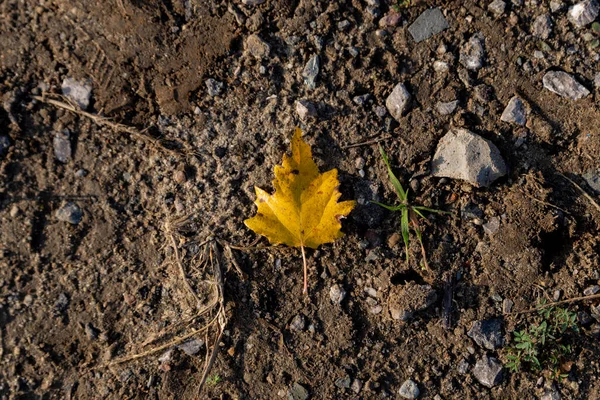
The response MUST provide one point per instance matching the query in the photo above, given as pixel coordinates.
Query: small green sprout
(401, 4)
(409, 213)
(540, 345)
(213, 380)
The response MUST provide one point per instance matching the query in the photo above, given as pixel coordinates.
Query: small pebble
(4, 145)
(214, 87)
(584, 12)
(592, 290)
(62, 146)
(497, 7)
(298, 323)
(409, 389)
(311, 70)
(305, 109)
(78, 91)
(70, 213)
(337, 293)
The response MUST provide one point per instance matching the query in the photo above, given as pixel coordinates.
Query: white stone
(398, 101)
(78, 91)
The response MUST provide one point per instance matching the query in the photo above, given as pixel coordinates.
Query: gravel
(542, 26)
(497, 7)
(70, 213)
(409, 389)
(584, 13)
(592, 177)
(472, 53)
(78, 91)
(311, 70)
(4, 144)
(514, 112)
(429, 23)
(62, 146)
(305, 109)
(298, 323)
(257, 47)
(337, 294)
(488, 371)
(487, 333)
(564, 85)
(214, 87)
(446, 108)
(464, 155)
(398, 101)
(297, 392)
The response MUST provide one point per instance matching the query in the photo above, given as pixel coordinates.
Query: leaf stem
(305, 290)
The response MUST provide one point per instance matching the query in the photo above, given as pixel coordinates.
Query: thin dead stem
(305, 290)
(587, 196)
(557, 303)
(368, 142)
(103, 121)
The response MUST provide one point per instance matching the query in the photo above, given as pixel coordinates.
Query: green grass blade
(418, 213)
(431, 210)
(405, 230)
(391, 208)
(395, 182)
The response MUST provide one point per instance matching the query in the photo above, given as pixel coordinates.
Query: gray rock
(564, 85)
(492, 226)
(429, 23)
(409, 389)
(589, 291)
(311, 70)
(380, 111)
(4, 144)
(462, 367)
(542, 26)
(584, 12)
(487, 333)
(356, 386)
(404, 301)
(462, 154)
(343, 383)
(551, 393)
(191, 347)
(61, 303)
(446, 108)
(342, 25)
(337, 294)
(297, 392)
(298, 323)
(78, 91)
(62, 146)
(398, 101)
(305, 109)
(257, 47)
(497, 7)
(390, 19)
(488, 371)
(556, 5)
(253, 2)
(472, 53)
(507, 305)
(91, 331)
(70, 213)
(514, 112)
(362, 99)
(592, 177)
(214, 87)
(597, 80)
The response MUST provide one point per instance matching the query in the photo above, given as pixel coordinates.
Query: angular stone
(214, 87)
(337, 293)
(446, 108)
(592, 177)
(311, 70)
(297, 392)
(305, 109)
(62, 146)
(398, 101)
(191, 347)
(487, 333)
(472, 53)
(584, 12)
(497, 7)
(70, 213)
(409, 390)
(464, 155)
(542, 26)
(429, 23)
(564, 85)
(78, 91)
(390, 19)
(256, 46)
(4, 144)
(488, 371)
(514, 112)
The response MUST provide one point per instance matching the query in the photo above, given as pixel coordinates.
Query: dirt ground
(75, 298)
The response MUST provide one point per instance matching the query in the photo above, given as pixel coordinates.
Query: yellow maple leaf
(304, 210)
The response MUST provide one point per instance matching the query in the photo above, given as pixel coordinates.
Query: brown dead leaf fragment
(304, 210)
